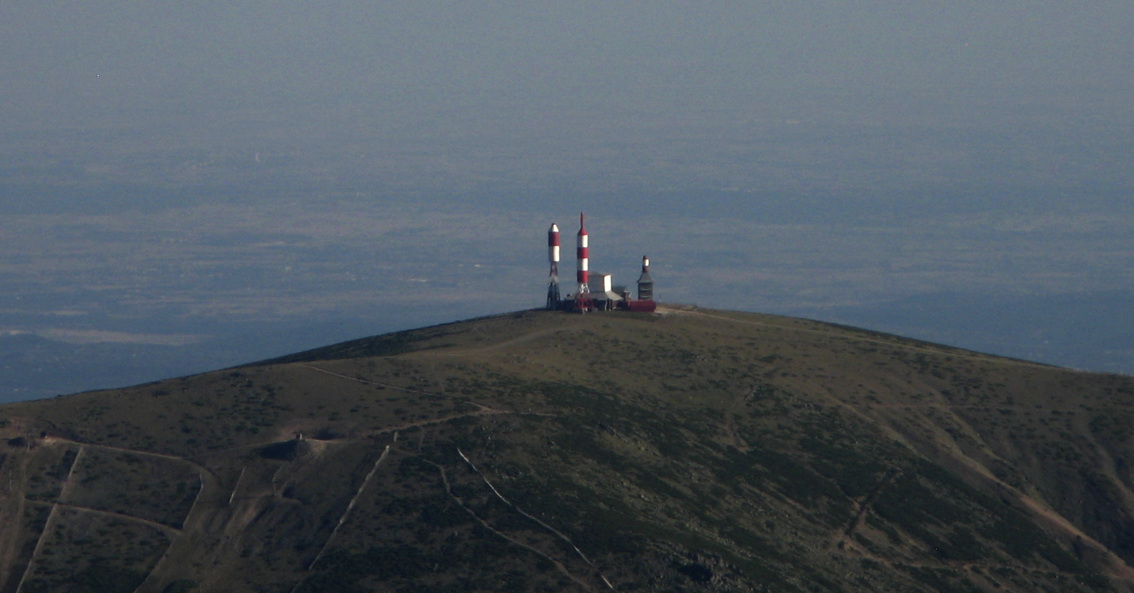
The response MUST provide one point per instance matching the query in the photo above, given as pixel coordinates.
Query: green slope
(694, 450)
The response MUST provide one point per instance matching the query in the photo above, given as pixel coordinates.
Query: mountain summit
(689, 450)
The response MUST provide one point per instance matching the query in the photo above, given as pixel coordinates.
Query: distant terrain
(124, 285)
(182, 184)
(1087, 331)
(140, 244)
(694, 450)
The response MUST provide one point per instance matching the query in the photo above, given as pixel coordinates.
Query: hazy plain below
(195, 185)
(130, 254)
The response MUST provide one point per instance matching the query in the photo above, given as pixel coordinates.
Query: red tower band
(553, 260)
(582, 253)
(553, 250)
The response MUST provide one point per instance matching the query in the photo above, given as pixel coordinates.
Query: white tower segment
(553, 261)
(583, 255)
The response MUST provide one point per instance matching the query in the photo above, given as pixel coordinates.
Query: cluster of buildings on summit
(604, 296)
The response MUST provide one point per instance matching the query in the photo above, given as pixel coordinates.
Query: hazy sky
(656, 94)
(62, 60)
(165, 159)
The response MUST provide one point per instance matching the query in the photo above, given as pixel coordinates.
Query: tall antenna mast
(582, 253)
(553, 260)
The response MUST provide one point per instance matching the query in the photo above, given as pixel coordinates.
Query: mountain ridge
(689, 450)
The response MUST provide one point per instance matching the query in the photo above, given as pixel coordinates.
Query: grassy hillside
(694, 450)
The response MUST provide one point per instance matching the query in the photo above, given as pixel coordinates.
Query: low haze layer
(267, 178)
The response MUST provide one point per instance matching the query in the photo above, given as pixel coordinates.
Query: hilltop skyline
(205, 185)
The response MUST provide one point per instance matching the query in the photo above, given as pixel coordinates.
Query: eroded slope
(695, 450)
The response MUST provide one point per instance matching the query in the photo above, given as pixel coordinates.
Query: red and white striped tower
(582, 253)
(553, 250)
(553, 259)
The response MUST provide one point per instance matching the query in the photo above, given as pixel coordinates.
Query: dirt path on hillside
(1037, 508)
(350, 506)
(1108, 464)
(461, 503)
(167, 529)
(865, 505)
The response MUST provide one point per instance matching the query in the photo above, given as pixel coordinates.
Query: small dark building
(645, 282)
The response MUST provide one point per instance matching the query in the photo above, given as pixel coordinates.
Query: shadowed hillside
(693, 450)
